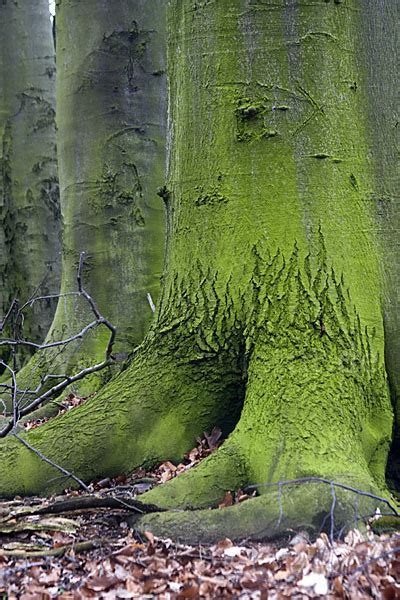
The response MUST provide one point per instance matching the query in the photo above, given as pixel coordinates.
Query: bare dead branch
(151, 303)
(331, 513)
(8, 314)
(7, 428)
(21, 342)
(93, 306)
(280, 505)
(29, 303)
(55, 390)
(13, 390)
(66, 380)
(78, 503)
(53, 552)
(14, 319)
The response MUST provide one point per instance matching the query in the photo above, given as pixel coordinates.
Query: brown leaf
(151, 584)
(226, 501)
(101, 584)
(390, 592)
(149, 536)
(240, 496)
(188, 591)
(299, 563)
(213, 438)
(256, 584)
(338, 586)
(225, 543)
(167, 466)
(281, 575)
(121, 479)
(132, 548)
(395, 569)
(362, 548)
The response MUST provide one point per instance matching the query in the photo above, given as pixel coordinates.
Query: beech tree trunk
(29, 197)
(270, 322)
(111, 117)
(381, 56)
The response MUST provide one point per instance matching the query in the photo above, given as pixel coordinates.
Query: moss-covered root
(206, 484)
(152, 412)
(311, 410)
(312, 507)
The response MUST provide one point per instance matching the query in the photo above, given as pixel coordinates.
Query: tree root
(206, 484)
(313, 507)
(54, 506)
(152, 412)
(53, 552)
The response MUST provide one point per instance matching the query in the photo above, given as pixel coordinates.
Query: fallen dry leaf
(226, 501)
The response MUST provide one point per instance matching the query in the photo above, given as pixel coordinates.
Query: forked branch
(15, 318)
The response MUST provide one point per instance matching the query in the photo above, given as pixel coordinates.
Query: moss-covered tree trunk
(270, 320)
(29, 200)
(381, 56)
(111, 117)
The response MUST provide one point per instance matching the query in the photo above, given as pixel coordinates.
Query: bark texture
(270, 321)
(29, 196)
(381, 57)
(111, 98)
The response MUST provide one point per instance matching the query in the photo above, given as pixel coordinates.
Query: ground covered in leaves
(102, 558)
(79, 545)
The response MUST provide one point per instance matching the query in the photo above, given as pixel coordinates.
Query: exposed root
(152, 412)
(310, 507)
(206, 484)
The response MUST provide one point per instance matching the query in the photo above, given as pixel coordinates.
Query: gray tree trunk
(111, 117)
(29, 197)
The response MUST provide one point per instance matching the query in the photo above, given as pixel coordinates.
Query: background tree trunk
(111, 118)
(29, 198)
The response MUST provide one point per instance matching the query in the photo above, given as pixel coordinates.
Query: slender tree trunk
(111, 117)
(29, 199)
(270, 321)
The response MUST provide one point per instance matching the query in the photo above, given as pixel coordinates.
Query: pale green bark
(111, 117)
(271, 303)
(29, 199)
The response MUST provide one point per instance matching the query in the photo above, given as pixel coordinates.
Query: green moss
(249, 109)
(273, 516)
(210, 197)
(386, 525)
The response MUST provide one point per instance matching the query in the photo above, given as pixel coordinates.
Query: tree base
(311, 507)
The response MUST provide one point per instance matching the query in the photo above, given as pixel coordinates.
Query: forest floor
(79, 545)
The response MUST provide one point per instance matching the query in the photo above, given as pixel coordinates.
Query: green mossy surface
(272, 516)
(380, 56)
(386, 525)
